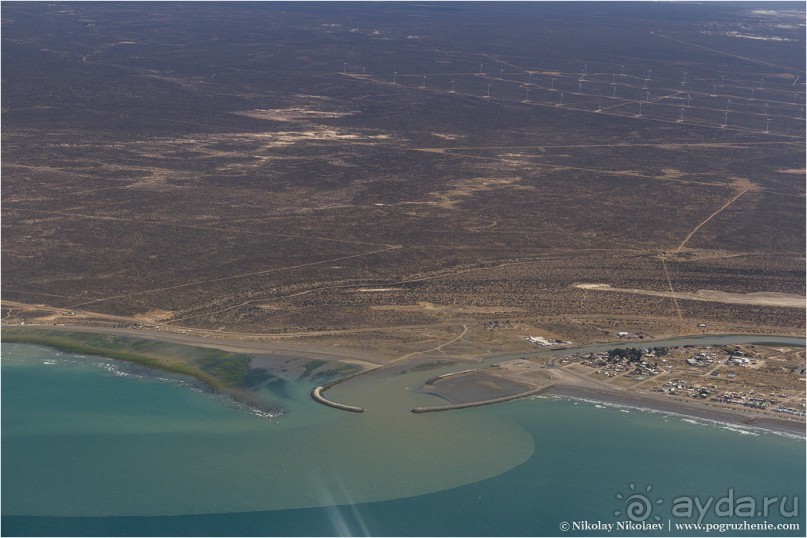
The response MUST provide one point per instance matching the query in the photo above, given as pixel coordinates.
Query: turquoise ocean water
(95, 447)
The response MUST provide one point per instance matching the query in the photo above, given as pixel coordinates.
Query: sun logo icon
(638, 506)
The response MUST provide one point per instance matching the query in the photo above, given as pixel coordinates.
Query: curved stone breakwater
(481, 403)
(316, 394)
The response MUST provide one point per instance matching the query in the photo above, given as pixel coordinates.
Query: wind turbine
(344, 69)
(645, 83)
(501, 73)
(480, 67)
(722, 80)
(725, 119)
(561, 99)
(689, 99)
(752, 94)
(579, 88)
(395, 77)
(552, 85)
(681, 120)
(728, 103)
(622, 72)
(452, 86)
(488, 95)
(640, 109)
(647, 96)
(766, 109)
(363, 70)
(767, 125)
(424, 82)
(527, 96)
(614, 90)
(599, 106)
(714, 90)
(761, 82)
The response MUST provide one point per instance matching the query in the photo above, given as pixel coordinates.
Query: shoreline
(235, 396)
(626, 398)
(263, 347)
(144, 361)
(737, 417)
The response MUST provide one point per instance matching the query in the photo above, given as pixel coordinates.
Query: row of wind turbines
(730, 95)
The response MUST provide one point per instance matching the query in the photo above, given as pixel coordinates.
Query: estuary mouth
(309, 451)
(402, 269)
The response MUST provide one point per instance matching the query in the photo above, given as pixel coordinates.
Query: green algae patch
(312, 365)
(218, 369)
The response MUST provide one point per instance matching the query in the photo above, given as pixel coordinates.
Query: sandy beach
(266, 348)
(681, 407)
(475, 385)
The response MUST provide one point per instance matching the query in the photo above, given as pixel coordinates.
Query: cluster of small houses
(702, 359)
(756, 402)
(681, 388)
(649, 362)
(708, 359)
(788, 410)
(749, 399)
(611, 364)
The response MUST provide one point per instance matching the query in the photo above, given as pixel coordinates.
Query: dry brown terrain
(788, 300)
(293, 179)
